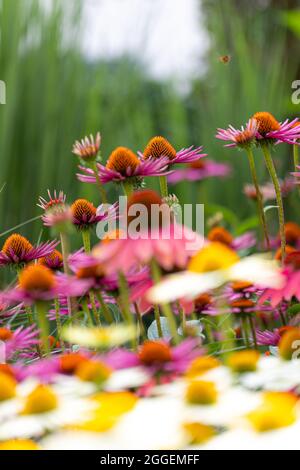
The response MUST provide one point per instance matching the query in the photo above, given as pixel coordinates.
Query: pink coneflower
(158, 357)
(267, 190)
(169, 243)
(88, 148)
(18, 340)
(291, 282)
(53, 261)
(200, 170)
(56, 211)
(122, 165)
(17, 250)
(270, 130)
(221, 235)
(39, 283)
(242, 138)
(87, 267)
(159, 148)
(85, 214)
(268, 338)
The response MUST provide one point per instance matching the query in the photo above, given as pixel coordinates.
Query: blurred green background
(55, 95)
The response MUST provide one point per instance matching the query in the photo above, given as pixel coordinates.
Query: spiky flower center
(159, 147)
(266, 123)
(54, 260)
(36, 278)
(242, 303)
(83, 210)
(155, 352)
(221, 235)
(293, 259)
(16, 245)
(121, 159)
(289, 250)
(203, 300)
(5, 334)
(70, 362)
(240, 286)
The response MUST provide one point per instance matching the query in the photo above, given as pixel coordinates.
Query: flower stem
(127, 187)
(99, 184)
(94, 308)
(125, 303)
(58, 323)
(86, 241)
(253, 331)
(41, 310)
(140, 322)
(245, 332)
(106, 311)
(163, 183)
(158, 322)
(166, 309)
(296, 156)
(274, 177)
(65, 253)
(259, 198)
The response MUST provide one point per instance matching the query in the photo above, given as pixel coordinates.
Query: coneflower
(18, 251)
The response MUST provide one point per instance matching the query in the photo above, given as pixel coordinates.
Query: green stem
(106, 311)
(296, 156)
(58, 323)
(163, 183)
(125, 303)
(253, 331)
(158, 322)
(166, 309)
(41, 310)
(94, 308)
(259, 198)
(245, 331)
(29, 314)
(127, 187)
(140, 322)
(86, 241)
(99, 184)
(274, 177)
(65, 253)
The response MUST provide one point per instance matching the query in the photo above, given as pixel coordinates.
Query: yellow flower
(244, 361)
(93, 371)
(198, 433)
(200, 392)
(109, 409)
(19, 444)
(278, 410)
(200, 365)
(94, 337)
(41, 400)
(214, 257)
(8, 387)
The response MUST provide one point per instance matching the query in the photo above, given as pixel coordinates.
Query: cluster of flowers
(129, 329)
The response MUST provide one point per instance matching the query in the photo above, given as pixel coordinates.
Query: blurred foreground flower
(102, 338)
(212, 267)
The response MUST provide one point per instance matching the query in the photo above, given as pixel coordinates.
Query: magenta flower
(159, 148)
(39, 283)
(56, 211)
(88, 148)
(200, 170)
(269, 129)
(85, 214)
(123, 164)
(268, 338)
(158, 357)
(243, 137)
(18, 340)
(17, 250)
